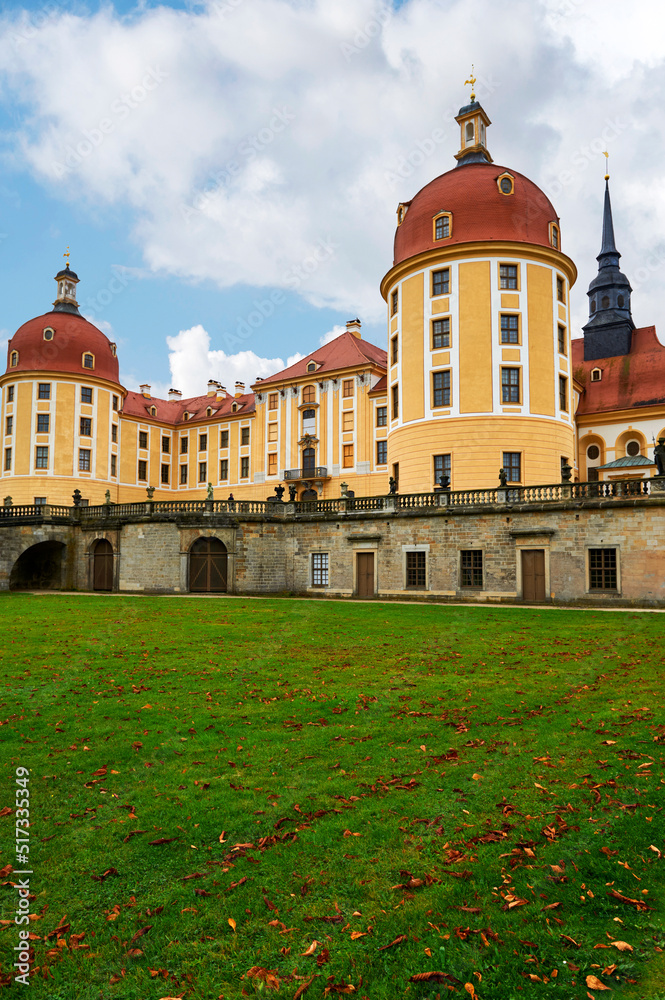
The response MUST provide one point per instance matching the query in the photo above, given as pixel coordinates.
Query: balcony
(308, 472)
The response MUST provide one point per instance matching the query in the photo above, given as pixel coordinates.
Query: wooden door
(102, 566)
(533, 575)
(365, 574)
(208, 560)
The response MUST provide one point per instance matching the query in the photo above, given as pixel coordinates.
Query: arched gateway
(208, 561)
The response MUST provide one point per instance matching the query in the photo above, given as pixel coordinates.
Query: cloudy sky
(227, 172)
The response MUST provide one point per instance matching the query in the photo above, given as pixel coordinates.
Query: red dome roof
(480, 211)
(73, 337)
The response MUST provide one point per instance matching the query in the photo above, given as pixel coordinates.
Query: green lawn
(239, 797)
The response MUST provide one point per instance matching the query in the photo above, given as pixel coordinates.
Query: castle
(481, 384)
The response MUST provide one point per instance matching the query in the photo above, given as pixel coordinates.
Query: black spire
(609, 330)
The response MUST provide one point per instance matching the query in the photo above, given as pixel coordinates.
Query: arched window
(49, 333)
(13, 359)
(469, 135)
(308, 461)
(309, 394)
(311, 366)
(620, 301)
(88, 360)
(443, 226)
(605, 302)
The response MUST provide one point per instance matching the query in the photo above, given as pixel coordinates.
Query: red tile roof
(73, 336)
(629, 380)
(345, 351)
(381, 385)
(480, 211)
(171, 411)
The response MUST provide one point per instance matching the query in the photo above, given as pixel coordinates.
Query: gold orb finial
(607, 165)
(67, 256)
(472, 81)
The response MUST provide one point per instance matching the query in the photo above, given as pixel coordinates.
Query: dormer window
(88, 361)
(113, 350)
(13, 359)
(443, 226)
(49, 333)
(153, 411)
(555, 238)
(311, 367)
(209, 411)
(596, 374)
(506, 184)
(234, 407)
(401, 212)
(185, 415)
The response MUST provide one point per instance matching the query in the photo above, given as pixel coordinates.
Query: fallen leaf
(134, 952)
(232, 924)
(434, 977)
(267, 976)
(6, 811)
(162, 840)
(312, 948)
(638, 903)
(398, 940)
(6, 871)
(104, 875)
(305, 986)
(144, 930)
(358, 934)
(470, 989)
(622, 945)
(476, 777)
(595, 984)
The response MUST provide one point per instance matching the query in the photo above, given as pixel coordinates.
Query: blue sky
(227, 173)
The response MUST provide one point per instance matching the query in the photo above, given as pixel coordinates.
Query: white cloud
(333, 334)
(268, 143)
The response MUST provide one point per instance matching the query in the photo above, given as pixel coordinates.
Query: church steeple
(610, 328)
(473, 123)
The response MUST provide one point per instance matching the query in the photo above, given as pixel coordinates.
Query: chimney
(221, 392)
(174, 395)
(353, 326)
(240, 389)
(145, 389)
(212, 387)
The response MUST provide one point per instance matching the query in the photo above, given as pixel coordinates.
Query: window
(311, 366)
(114, 433)
(510, 332)
(442, 227)
(244, 435)
(203, 472)
(186, 414)
(166, 445)
(88, 361)
(381, 452)
(203, 442)
(244, 468)
(9, 423)
(394, 303)
(440, 333)
(416, 569)
(319, 569)
(471, 564)
(441, 388)
(633, 448)
(347, 461)
(84, 460)
(10, 394)
(272, 400)
(165, 473)
(441, 282)
(153, 411)
(347, 387)
(308, 461)
(563, 393)
(347, 420)
(115, 403)
(44, 390)
(395, 400)
(272, 431)
(13, 359)
(224, 439)
(143, 470)
(224, 469)
(442, 467)
(114, 465)
(86, 394)
(184, 445)
(40, 501)
(272, 464)
(183, 475)
(48, 333)
(559, 290)
(381, 416)
(507, 275)
(506, 184)
(309, 394)
(396, 473)
(8, 459)
(512, 466)
(554, 236)
(85, 427)
(602, 569)
(510, 385)
(561, 333)
(592, 452)
(394, 350)
(309, 421)
(596, 374)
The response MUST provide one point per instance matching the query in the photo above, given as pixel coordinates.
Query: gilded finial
(66, 256)
(472, 81)
(607, 165)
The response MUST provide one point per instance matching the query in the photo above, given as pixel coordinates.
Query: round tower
(479, 373)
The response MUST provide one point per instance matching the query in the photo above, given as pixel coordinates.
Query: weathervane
(67, 255)
(472, 81)
(607, 165)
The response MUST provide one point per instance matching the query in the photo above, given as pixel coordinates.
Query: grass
(468, 791)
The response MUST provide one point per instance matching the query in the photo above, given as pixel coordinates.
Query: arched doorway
(208, 561)
(102, 566)
(39, 567)
(309, 495)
